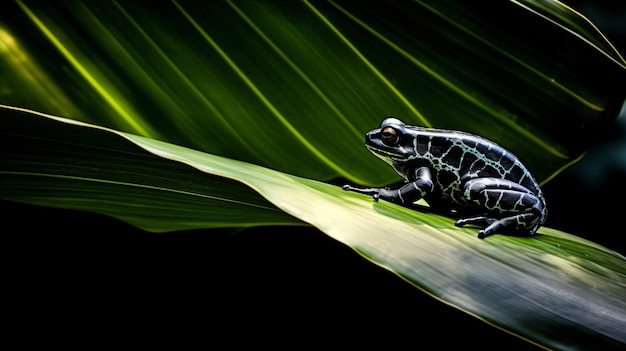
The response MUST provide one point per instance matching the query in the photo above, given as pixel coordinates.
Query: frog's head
(392, 143)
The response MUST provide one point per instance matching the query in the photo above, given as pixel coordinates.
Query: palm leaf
(544, 289)
(294, 86)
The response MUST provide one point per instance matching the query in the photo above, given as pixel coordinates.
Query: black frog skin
(458, 172)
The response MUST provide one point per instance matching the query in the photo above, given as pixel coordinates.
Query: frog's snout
(372, 136)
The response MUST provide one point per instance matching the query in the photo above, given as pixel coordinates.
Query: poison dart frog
(457, 172)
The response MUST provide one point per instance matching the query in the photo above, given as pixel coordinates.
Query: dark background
(585, 199)
(70, 280)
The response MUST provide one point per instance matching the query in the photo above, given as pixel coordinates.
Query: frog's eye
(389, 136)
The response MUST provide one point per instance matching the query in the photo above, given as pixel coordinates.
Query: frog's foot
(373, 192)
(491, 225)
(481, 221)
(510, 225)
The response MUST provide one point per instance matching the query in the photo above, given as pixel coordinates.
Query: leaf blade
(552, 289)
(94, 172)
(316, 76)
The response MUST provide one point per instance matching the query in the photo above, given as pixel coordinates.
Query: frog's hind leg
(508, 207)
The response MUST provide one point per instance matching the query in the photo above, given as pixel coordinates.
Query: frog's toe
(484, 233)
(462, 222)
(479, 221)
(348, 187)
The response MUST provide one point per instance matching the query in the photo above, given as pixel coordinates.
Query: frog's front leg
(507, 207)
(404, 193)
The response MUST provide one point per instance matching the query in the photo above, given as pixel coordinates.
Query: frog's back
(458, 157)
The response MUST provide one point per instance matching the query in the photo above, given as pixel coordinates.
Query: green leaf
(553, 289)
(99, 173)
(295, 86)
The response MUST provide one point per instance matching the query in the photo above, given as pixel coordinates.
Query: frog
(472, 179)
